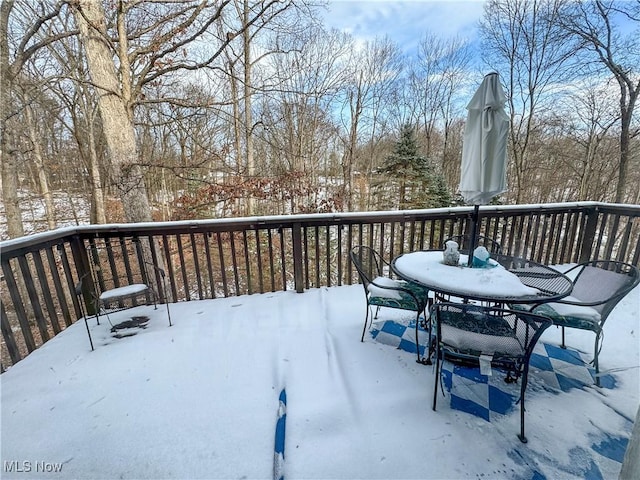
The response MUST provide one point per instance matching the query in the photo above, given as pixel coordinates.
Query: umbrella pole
(474, 233)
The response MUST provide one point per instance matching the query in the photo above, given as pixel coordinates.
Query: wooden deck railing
(221, 258)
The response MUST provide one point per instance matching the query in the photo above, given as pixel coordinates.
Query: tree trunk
(125, 174)
(625, 135)
(97, 190)
(7, 159)
(43, 183)
(347, 166)
(248, 117)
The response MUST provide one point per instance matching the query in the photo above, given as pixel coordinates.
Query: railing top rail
(276, 221)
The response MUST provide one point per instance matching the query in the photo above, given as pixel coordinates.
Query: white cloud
(405, 22)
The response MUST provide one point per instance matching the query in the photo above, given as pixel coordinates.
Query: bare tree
(373, 73)
(589, 118)
(20, 39)
(80, 116)
(35, 137)
(251, 50)
(438, 85)
(296, 123)
(116, 108)
(594, 24)
(148, 42)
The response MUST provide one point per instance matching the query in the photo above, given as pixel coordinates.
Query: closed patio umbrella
(484, 151)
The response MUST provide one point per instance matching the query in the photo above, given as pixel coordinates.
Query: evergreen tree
(409, 177)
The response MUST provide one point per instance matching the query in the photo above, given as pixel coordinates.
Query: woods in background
(174, 110)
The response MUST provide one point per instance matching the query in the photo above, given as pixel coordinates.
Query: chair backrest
(603, 283)
(470, 330)
(368, 262)
(118, 262)
(464, 243)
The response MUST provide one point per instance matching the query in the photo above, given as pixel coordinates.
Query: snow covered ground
(200, 400)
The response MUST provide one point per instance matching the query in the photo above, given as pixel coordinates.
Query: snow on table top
(429, 269)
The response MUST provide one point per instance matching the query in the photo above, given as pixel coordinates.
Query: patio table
(507, 279)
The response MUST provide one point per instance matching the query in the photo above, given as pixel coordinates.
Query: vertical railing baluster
(339, 253)
(196, 264)
(271, 267)
(298, 271)
(223, 269)
(305, 249)
(504, 221)
(534, 242)
(169, 267)
(575, 220)
(624, 241)
(328, 254)
(349, 247)
(126, 260)
(259, 260)
(611, 237)
(432, 235)
(552, 235)
(207, 251)
(234, 262)
(155, 265)
(248, 272)
(81, 261)
(183, 267)
(283, 264)
(317, 259)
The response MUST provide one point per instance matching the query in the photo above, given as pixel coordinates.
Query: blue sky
(405, 22)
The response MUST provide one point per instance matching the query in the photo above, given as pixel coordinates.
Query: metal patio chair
(597, 288)
(119, 277)
(383, 291)
(473, 334)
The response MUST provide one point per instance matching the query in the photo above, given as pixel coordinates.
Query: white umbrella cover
(484, 151)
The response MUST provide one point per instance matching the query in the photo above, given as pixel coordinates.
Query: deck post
(298, 267)
(81, 261)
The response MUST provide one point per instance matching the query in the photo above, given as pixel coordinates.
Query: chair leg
(423, 360)
(166, 300)
(436, 381)
(96, 306)
(563, 344)
(86, 323)
(169, 314)
(595, 360)
(523, 387)
(377, 310)
(366, 321)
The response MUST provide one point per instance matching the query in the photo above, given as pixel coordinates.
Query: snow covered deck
(200, 400)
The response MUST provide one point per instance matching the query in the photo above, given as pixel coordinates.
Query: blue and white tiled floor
(551, 368)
